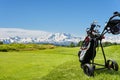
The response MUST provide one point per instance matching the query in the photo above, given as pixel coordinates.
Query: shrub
(1, 42)
(72, 44)
(105, 44)
(24, 47)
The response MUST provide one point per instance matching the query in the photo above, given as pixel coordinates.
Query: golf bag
(88, 49)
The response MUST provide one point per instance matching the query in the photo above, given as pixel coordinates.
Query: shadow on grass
(107, 71)
(67, 71)
(72, 71)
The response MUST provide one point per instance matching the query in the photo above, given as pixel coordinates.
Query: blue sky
(69, 16)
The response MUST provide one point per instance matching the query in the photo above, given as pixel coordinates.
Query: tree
(115, 43)
(1, 42)
(105, 44)
(79, 43)
(72, 44)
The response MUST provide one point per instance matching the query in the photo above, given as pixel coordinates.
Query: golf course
(54, 63)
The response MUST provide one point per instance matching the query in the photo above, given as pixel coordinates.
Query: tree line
(105, 44)
(72, 44)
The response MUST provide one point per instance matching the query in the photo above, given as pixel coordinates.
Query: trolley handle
(116, 14)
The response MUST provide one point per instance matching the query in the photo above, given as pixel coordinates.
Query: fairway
(60, 63)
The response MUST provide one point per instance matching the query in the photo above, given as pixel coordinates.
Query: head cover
(114, 26)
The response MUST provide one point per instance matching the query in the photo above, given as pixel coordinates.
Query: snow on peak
(10, 35)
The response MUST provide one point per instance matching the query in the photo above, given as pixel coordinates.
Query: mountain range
(16, 35)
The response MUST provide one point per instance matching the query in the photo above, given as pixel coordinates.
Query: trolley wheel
(112, 64)
(88, 69)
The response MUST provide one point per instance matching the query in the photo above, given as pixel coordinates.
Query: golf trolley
(94, 38)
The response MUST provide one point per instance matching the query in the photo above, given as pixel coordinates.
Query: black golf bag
(88, 49)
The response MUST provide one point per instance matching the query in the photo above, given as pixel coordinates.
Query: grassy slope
(52, 64)
(32, 65)
(71, 71)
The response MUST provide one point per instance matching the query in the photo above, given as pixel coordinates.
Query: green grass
(60, 63)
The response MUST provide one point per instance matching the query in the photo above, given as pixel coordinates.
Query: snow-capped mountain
(112, 39)
(15, 35)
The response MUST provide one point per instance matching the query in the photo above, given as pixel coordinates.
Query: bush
(105, 44)
(79, 43)
(72, 44)
(24, 47)
(1, 42)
